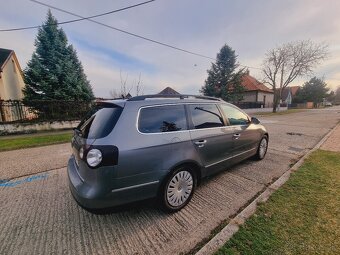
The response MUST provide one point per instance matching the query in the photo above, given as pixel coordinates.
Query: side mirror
(255, 120)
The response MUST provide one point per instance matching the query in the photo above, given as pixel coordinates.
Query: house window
(14, 68)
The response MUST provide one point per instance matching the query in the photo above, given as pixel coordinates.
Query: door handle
(236, 136)
(200, 143)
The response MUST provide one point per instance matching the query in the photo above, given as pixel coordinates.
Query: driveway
(39, 216)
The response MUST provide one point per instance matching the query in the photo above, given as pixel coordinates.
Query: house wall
(2, 88)
(11, 81)
(269, 97)
(249, 96)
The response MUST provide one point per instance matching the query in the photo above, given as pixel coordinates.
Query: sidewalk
(333, 142)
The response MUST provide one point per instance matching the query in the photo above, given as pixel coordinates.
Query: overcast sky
(250, 27)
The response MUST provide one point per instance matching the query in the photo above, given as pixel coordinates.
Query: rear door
(210, 135)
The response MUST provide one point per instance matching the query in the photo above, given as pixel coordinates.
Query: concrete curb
(228, 231)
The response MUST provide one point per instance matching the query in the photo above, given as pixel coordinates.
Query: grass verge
(302, 217)
(34, 141)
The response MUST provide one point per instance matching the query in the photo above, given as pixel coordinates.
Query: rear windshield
(100, 121)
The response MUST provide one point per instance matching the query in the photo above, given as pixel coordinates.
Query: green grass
(302, 217)
(28, 141)
(278, 113)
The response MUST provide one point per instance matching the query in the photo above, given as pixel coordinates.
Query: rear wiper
(77, 131)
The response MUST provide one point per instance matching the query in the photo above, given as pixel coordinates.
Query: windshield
(100, 121)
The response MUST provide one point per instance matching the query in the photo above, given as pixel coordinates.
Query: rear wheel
(262, 149)
(178, 189)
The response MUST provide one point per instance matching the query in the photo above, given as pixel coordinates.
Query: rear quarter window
(100, 121)
(158, 119)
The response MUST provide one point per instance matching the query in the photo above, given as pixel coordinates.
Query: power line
(124, 31)
(114, 28)
(251, 67)
(76, 20)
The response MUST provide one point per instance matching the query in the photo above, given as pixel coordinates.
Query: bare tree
(115, 93)
(285, 63)
(139, 86)
(125, 90)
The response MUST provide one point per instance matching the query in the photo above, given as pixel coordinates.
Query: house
(288, 94)
(11, 85)
(11, 79)
(168, 91)
(256, 92)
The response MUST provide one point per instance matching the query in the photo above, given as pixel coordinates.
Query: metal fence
(42, 110)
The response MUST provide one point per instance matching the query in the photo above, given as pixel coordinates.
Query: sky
(110, 57)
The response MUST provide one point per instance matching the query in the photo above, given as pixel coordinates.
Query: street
(39, 216)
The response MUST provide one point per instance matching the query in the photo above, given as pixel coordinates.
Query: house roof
(4, 55)
(168, 91)
(251, 84)
(293, 90)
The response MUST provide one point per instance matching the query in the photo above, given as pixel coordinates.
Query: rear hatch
(98, 123)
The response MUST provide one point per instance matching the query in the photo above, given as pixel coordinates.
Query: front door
(245, 135)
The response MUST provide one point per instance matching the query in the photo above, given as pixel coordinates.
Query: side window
(205, 116)
(159, 119)
(235, 116)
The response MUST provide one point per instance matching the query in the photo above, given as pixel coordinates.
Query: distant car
(328, 104)
(158, 146)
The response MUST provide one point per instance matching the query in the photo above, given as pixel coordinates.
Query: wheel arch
(197, 168)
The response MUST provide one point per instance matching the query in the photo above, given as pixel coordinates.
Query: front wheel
(262, 149)
(178, 189)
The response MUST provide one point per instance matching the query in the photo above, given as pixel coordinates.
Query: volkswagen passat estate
(158, 146)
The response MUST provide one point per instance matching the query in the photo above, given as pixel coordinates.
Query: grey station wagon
(158, 146)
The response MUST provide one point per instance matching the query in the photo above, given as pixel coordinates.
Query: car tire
(178, 189)
(262, 148)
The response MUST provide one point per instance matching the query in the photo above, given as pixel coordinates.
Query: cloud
(249, 27)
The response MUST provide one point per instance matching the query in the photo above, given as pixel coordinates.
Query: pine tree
(224, 81)
(315, 90)
(55, 72)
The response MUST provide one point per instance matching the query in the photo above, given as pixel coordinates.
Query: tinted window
(206, 116)
(100, 121)
(235, 116)
(158, 119)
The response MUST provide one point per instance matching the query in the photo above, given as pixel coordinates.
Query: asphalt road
(39, 216)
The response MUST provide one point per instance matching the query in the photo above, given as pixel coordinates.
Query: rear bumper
(94, 196)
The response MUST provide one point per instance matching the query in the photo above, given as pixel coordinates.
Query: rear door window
(205, 116)
(158, 119)
(234, 115)
(100, 121)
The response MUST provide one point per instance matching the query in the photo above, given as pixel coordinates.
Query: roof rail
(180, 96)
